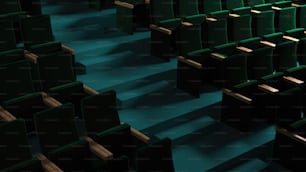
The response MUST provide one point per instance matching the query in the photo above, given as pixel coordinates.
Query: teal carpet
(148, 98)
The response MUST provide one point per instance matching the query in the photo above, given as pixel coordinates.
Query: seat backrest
(118, 140)
(36, 30)
(240, 28)
(99, 112)
(7, 36)
(208, 6)
(56, 70)
(254, 2)
(55, 127)
(286, 19)
(187, 8)
(161, 10)
(286, 56)
(214, 33)
(190, 37)
(9, 6)
(232, 4)
(155, 157)
(263, 23)
(14, 143)
(15, 80)
(30, 165)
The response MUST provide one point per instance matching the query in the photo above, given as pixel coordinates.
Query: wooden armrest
(217, 56)
(244, 49)
(267, 88)
(211, 19)
(89, 90)
(187, 24)
(50, 101)
(305, 32)
(6, 116)
(48, 165)
(147, 1)
(238, 96)
(161, 29)
(276, 8)
(124, 4)
(140, 135)
(70, 50)
(30, 56)
(268, 43)
(293, 80)
(190, 62)
(255, 11)
(233, 15)
(295, 5)
(291, 38)
(291, 135)
(98, 149)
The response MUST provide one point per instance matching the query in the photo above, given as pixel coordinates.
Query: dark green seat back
(231, 4)
(286, 19)
(263, 23)
(7, 36)
(36, 30)
(215, 33)
(9, 6)
(15, 80)
(71, 92)
(55, 127)
(25, 106)
(208, 6)
(260, 62)
(285, 55)
(254, 2)
(99, 112)
(190, 36)
(240, 28)
(26, 166)
(187, 8)
(161, 10)
(301, 16)
(56, 70)
(14, 144)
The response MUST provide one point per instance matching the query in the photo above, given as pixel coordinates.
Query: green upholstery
(162, 10)
(254, 2)
(46, 48)
(233, 68)
(187, 8)
(301, 16)
(8, 51)
(71, 92)
(14, 144)
(285, 19)
(301, 52)
(55, 127)
(285, 55)
(56, 70)
(190, 36)
(231, 4)
(155, 157)
(99, 112)
(15, 80)
(208, 6)
(24, 107)
(263, 23)
(26, 166)
(260, 60)
(125, 19)
(240, 27)
(262, 7)
(7, 36)
(10, 8)
(215, 33)
(37, 30)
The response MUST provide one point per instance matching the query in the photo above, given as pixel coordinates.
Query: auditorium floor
(148, 98)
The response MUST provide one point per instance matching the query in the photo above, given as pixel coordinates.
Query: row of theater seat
(39, 95)
(277, 98)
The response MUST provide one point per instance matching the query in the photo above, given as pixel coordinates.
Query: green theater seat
(299, 36)
(263, 23)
